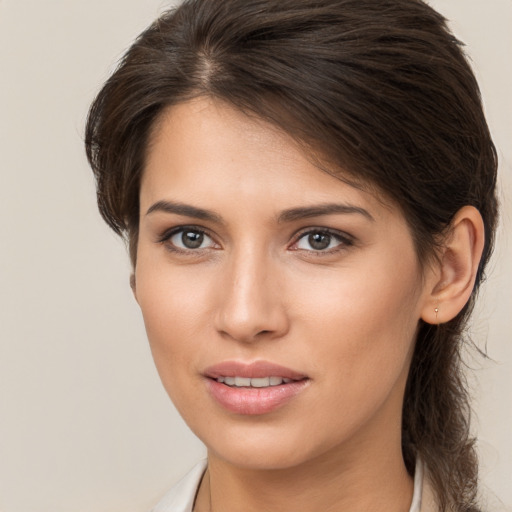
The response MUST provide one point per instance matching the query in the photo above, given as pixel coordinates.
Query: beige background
(84, 423)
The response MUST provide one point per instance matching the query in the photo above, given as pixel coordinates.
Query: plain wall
(84, 422)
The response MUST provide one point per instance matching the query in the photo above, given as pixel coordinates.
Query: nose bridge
(251, 304)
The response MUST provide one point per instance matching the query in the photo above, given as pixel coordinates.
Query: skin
(256, 289)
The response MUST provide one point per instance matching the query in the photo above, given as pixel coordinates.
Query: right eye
(188, 239)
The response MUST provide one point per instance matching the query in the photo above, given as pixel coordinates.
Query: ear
(453, 275)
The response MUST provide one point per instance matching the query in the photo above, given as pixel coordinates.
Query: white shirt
(181, 497)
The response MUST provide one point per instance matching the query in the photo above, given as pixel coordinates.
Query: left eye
(319, 241)
(190, 239)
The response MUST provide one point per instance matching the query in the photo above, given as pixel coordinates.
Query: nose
(251, 302)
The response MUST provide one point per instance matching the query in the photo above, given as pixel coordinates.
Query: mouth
(256, 382)
(253, 389)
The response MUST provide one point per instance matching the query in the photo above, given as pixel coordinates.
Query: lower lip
(252, 401)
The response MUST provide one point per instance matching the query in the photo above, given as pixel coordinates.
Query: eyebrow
(184, 209)
(290, 215)
(306, 212)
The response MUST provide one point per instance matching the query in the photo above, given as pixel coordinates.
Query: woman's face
(281, 304)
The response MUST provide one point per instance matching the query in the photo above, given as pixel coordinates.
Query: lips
(251, 389)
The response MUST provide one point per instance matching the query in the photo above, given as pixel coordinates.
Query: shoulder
(181, 497)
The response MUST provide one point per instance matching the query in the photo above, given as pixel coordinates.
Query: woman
(308, 192)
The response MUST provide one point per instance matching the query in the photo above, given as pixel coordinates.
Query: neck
(354, 484)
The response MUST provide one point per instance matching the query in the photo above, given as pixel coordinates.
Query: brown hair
(380, 88)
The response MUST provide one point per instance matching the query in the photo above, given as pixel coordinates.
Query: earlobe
(456, 268)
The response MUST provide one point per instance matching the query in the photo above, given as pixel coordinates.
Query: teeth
(260, 382)
(242, 382)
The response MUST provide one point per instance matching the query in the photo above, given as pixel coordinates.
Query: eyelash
(165, 238)
(345, 240)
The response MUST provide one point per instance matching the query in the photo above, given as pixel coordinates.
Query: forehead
(207, 145)
(205, 131)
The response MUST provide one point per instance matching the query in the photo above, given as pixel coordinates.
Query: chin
(263, 447)
(259, 459)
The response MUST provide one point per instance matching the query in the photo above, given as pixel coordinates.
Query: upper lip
(254, 370)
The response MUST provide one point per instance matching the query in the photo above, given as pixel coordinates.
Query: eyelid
(346, 240)
(164, 238)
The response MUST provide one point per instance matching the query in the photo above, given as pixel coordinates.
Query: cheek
(172, 304)
(169, 295)
(363, 326)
